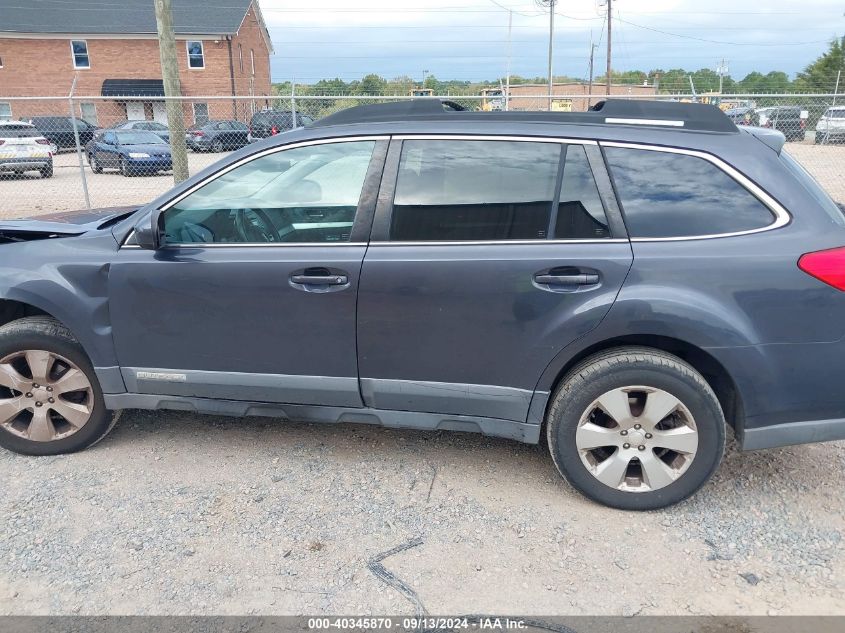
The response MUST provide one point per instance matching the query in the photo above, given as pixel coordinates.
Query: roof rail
(663, 114)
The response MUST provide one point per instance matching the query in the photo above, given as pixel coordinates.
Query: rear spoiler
(767, 136)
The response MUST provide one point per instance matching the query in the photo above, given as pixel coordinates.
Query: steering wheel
(254, 225)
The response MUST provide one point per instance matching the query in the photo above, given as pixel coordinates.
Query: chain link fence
(109, 152)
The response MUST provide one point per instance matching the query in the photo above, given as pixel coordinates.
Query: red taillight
(274, 130)
(198, 133)
(42, 141)
(803, 124)
(827, 266)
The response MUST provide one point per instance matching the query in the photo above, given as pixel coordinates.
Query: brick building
(524, 96)
(224, 49)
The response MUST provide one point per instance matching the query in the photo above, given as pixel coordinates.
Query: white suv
(831, 125)
(22, 148)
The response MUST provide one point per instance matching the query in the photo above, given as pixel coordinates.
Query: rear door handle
(320, 280)
(580, 279)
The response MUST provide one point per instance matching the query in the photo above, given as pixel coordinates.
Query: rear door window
(474, 190)
(666, 194)
(18, 131)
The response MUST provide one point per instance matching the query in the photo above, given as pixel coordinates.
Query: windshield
(835, 211)
(138, 138)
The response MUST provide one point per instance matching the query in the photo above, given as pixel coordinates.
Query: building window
(5, 111)
(79, 50)
(252, 61)
(1, 63)
(89, 113)
(200, 113)
(241, 57)
(196, 58)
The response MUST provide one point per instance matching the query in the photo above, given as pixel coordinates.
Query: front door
(135, 111)
(160, 112)
(253, 295)
(495, 255)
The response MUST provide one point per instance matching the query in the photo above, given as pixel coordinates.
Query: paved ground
(177, 513)
(30, 194)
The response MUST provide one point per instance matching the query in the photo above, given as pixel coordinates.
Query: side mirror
(148, 234)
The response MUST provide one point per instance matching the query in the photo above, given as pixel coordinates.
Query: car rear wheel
(50, 399)
(124, 168)
(635, 428)
(47, 170)
(217, 145)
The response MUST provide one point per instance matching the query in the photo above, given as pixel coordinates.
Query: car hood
(150, 148)
(60, 224)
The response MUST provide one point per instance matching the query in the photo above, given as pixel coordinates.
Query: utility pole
(590, 88)
(722, 69)
(609, 46)
(172, 89)
(508, 66)
(551, 48)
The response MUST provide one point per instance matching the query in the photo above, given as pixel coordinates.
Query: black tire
(217, 145)
(623, 367)
(124, 168)
(45, 333)
(47, 170)
(96, 167)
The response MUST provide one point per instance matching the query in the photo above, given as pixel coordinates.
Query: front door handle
(320, 280)
(580, 279)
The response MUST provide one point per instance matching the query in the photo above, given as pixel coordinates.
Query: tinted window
(580, 213)
(674, 195)
(305, 194)
(474, 190)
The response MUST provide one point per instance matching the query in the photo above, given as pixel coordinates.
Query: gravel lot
(177, 513)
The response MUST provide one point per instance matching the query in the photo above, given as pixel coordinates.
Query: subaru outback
(625, 283)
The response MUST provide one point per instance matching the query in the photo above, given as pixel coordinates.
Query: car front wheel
(50, 399)
(635, 428)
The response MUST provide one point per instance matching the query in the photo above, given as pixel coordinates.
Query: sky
(468, 39)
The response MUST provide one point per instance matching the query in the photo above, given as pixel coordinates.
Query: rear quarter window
(18, 131)
(670, 195)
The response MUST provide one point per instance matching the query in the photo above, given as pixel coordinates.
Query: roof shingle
(200, 17)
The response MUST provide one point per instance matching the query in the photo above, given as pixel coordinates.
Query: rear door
(488, 256)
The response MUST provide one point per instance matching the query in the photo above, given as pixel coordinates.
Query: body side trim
(528, 433)
(792, 433)
(339, 391)
(507, 403)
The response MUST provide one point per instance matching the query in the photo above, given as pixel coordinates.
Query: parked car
(159, 129)
(59, 130)
(626, 282)
(831, 125)
(23, 148)
(272, 122)
(132, 152)
(790, 120)
(217, 136)
(743, 116)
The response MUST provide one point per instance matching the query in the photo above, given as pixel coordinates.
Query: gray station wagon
(625, 283)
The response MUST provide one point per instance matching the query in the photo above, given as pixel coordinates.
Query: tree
(371, 84)
(820, 76)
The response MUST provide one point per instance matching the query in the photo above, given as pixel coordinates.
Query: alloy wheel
(46, 397)
(637, 439)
